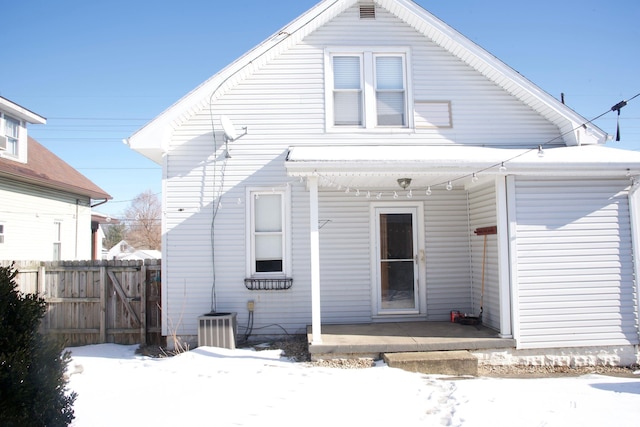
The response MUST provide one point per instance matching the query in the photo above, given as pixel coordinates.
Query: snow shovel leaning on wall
(468, 319)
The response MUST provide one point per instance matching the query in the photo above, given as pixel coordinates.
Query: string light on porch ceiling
(501, 166)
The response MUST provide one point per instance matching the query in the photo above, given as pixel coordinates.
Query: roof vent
(367, 11)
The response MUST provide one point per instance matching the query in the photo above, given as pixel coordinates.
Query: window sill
(268, 284)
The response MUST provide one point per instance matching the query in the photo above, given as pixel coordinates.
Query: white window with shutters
(367, 88)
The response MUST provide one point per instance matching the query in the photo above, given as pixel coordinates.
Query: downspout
(75, 256)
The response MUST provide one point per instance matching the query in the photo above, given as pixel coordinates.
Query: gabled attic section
(154, 138)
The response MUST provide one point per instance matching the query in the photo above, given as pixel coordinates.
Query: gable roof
(152, 140)
(48, 170)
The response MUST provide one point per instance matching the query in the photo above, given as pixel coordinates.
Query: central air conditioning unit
(217, 330)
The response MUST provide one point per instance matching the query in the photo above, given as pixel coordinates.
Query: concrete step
(434, 362)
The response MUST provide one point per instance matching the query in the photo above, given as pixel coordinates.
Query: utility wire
(616, 107)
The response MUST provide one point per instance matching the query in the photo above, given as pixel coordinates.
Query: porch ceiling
(379, 167)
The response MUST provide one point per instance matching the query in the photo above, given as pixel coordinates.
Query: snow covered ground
(213, 386)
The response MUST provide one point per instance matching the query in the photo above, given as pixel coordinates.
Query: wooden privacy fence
(94, 302)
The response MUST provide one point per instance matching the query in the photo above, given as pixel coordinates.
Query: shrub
(32, 366)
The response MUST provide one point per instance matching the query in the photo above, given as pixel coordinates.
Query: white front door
(396, 260)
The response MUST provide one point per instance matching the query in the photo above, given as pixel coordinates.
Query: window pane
(268, 212)
(12, 127)
(389, 72)
(268, 253)
(269, 266)
(268, 246)
(348, 108)
(390, 108)
(346, 72)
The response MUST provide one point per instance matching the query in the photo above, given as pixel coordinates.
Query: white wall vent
(217, 330)
(367, 11)
(3, 143)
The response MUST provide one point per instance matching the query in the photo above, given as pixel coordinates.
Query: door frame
(413, 207)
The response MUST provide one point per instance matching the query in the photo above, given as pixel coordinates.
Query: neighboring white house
(125, 252)
(346, 163)
(45, 204)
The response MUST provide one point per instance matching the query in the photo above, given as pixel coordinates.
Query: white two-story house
(45, 204)
(368, 163)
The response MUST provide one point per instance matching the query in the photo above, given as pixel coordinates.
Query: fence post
(103, 305)
(41, 280)
(143, 303)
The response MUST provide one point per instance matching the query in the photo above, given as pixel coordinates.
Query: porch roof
(374, 166)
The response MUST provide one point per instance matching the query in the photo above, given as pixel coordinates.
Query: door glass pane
(397, 281)
(397, 290)
(396, 231)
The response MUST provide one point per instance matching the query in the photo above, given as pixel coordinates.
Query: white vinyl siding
(482, 213)
(575, 267)
(28, 214)
(283, 103)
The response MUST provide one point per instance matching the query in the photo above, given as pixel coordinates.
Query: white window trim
(286, 228)
(368, 54)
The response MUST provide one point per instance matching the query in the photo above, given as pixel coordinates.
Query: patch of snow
(215, 386)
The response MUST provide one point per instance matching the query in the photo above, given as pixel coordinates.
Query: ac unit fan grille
(218, 330)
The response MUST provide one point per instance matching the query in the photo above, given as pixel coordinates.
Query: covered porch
(373, 339)
(426, 179)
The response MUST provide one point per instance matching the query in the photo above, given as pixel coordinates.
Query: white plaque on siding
(433, 114)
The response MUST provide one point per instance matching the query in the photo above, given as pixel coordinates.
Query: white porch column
(504, 257)
(316, 334)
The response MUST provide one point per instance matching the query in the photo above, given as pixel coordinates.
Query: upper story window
(369, 88)
(268, 245)
(57, 240)
(1, 233)
(12, 133)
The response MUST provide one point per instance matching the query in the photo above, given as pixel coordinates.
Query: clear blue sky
(100, 70)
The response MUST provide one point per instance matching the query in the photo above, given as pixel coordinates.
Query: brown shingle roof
(45, 168)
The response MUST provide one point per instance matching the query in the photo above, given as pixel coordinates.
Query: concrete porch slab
(373, 339)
